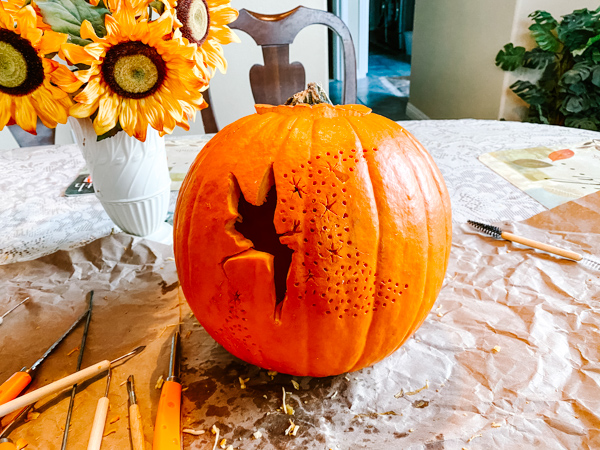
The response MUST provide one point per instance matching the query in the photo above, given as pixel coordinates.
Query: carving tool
(5, 442)
(70, 380)
(11, 310)
(79, 359)
(12, 387)
(499, 234)
(95, 441)
(136, 430)
(167, 429)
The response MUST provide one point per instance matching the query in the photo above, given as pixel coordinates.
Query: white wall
(231, 93)
(455, 43)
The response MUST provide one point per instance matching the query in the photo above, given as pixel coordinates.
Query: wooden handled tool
(70, 380)
(136, 428)
(499, 234)
(12, 387)
(95, 441)
(167, 429)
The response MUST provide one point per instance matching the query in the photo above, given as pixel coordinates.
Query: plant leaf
(529, 92)
(579, 72)
(544, 18)
(581, 122)
(596, 76)
(510, 58)
(591, 41)
(574, 104)
(66, 16)
(544, 37)
(538, 58)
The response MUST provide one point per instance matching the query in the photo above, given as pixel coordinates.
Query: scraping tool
(12, 387)
(59, 385)
(136, 429)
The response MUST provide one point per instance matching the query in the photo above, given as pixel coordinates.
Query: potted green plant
(567, 58)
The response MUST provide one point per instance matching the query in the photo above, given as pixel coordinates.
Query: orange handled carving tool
(59, 385)
(136, 430)
(12, 387)
(167, 429)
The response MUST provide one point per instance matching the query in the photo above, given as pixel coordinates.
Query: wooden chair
(278, 79)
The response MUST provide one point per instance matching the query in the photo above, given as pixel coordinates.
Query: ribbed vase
(131, 178)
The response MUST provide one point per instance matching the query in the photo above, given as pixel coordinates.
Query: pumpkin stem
(313, 95)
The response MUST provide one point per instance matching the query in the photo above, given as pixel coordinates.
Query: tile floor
(374, 92)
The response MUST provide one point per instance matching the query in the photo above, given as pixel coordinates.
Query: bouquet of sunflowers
(127, 64)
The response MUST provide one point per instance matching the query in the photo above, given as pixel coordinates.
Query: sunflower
(138, 75)
(12, 6)
(26, 75)
(204, 23)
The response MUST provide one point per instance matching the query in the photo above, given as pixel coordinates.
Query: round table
(36, 219)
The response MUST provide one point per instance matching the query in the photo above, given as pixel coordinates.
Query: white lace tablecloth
(36, 219)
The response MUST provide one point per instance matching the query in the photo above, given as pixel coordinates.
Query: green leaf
(596, 76)
(538, 58)
(543, 18)
(510, 58)
(579, 72)
(574, 104)
(544, 37)
(578, 89)
(158, 6)
(591, 41)
(110, 133)
(578, 27)
(66, 16)
(530, 93)
(581, 122)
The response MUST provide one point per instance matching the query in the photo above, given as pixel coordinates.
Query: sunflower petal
(128, 115)
(75, 54)
(51, 42)
(223, 15)
(47, 109)
(88, 32)
(108, 113)
(64, 78)
(24, 114)
(5, 101)
(26, 25)
(83, 110)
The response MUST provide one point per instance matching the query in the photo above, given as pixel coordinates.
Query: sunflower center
(133, 69)
(194, 16)
(21, 69)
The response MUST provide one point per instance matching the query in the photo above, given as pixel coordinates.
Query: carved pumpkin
(312, 240)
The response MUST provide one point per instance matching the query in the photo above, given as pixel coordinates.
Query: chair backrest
(278, 79)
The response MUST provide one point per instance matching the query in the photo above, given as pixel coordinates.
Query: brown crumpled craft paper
(508, 357)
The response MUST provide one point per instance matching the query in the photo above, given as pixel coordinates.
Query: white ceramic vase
(131, 178)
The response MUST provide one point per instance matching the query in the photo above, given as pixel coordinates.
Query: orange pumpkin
(312, 240)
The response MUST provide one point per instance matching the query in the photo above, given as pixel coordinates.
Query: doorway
(385, 86)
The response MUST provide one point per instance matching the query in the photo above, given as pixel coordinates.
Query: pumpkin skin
(362, 206)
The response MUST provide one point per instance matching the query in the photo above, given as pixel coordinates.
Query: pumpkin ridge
(424, 310)
(365, 343)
